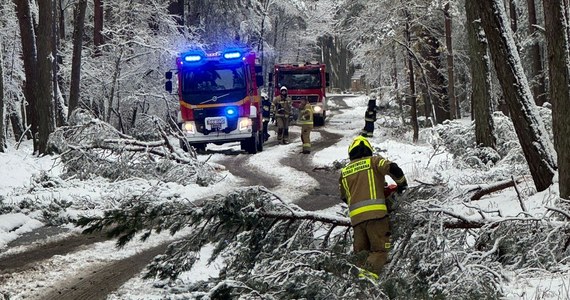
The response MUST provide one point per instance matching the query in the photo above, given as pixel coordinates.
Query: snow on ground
(421, 163)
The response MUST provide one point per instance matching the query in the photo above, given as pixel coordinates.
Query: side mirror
(270, 77)
(168, 86)
(328, 78)
(168, 75)
(259, 79)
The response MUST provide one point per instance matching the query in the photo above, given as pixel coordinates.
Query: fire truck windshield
(297, 80)
(211, 80)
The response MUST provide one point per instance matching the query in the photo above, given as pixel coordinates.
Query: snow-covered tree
(529, 126)
(559, 71)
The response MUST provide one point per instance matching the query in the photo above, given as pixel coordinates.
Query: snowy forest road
(321, 197)
(96, 280)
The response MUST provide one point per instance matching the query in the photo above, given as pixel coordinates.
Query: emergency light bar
(232, 55)
(192, 58)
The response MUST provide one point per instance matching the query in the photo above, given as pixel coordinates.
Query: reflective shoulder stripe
(401, 179)
(367, 208)
(382, 162)
(356, 167)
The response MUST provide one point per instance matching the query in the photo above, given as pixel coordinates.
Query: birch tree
(530, 130)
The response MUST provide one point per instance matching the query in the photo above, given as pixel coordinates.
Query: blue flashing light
(192, 58)
(231, 112)
(232, 55)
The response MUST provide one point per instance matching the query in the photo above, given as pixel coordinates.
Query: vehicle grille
(312, 98)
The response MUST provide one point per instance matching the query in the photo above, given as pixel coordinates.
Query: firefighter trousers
(282, 129)
(373, 238)
(306, 137)
(265, 133)
(368, 130)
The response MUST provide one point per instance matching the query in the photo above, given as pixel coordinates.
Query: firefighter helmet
(283, 88)
(360, 141)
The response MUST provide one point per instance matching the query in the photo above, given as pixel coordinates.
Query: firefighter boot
(280, 135)
(286, 136)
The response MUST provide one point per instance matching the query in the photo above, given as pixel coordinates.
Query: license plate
(217, 123)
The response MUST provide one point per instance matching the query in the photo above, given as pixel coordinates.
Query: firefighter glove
(402, 188)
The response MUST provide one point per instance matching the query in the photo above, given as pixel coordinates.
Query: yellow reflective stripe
(371, 184)
(400, 180)
(307, 145)
(382, 162)
(367, 209)
(387, 245)
(345, 185)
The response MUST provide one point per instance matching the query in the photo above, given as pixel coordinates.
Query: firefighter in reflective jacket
(362, 188)
(266, 112)
(370, 118)
(306, 122)
(281, 111)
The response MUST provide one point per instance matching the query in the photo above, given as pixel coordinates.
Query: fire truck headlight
(317, 109)
(244, 124)
(189, 127)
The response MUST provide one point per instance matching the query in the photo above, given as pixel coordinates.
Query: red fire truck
(304, 80)
(219, 98)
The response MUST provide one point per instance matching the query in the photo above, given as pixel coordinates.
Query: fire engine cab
(304, 80)
(219, 98)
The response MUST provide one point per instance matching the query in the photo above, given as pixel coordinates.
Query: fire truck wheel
(260, 141)
(183, 146)
(250, 145)
(200, 148)
(319, 120)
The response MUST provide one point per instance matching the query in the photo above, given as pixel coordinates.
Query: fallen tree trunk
(482, 191)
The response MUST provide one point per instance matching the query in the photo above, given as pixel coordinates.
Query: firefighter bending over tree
(362, 184)
(306, 122)
(280, 111)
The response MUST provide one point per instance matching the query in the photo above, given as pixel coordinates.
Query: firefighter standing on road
(362, 184)
(370, 118)
(306, 122)
(266, 106)
(280, 111)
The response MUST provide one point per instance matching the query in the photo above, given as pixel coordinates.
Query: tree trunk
(44, 103)
(450, 72)
(396, 84)
(29, 56)
(530, 130)
(430, 50)
(412, 96)
(97, 26)
(75, 82)
(61, 19)
(558, 61)
(481, 97)
(536, 71)
(2, 110)
(513, 12)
